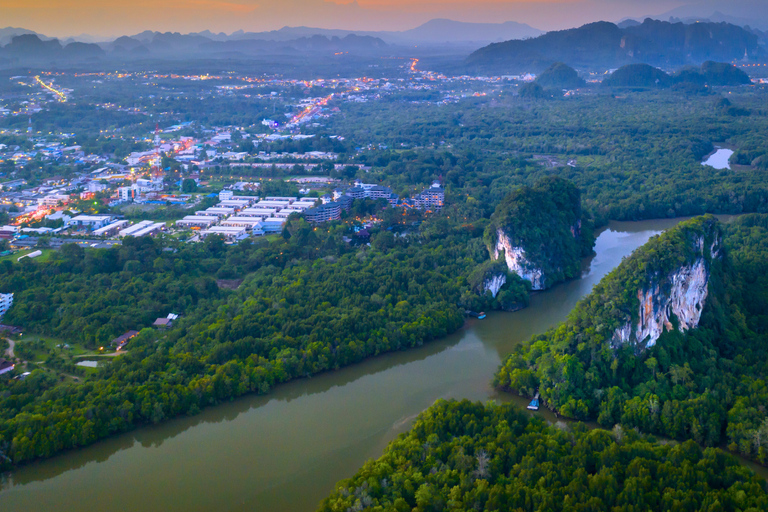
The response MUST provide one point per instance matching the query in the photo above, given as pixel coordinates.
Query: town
(187, 180)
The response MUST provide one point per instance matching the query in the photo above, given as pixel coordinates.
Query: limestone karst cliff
(538, 231)
(679, 296)
(683, 302)
(492, 287)
(494, 284)
(663, 287)
(516, 260)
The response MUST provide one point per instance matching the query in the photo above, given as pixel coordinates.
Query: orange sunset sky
(119, 17)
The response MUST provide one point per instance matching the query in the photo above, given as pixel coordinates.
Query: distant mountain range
(752, 13)
(604, 45)
(600, 45)
(438, 31)
(21, 47)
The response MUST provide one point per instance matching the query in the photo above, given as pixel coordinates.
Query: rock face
(540, 233)
(494, 284)
(517, 262)
(681, 294)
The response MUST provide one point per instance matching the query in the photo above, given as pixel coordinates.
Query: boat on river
(481, 315)
(534, 405)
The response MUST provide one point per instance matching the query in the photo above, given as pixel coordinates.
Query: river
(285, 451)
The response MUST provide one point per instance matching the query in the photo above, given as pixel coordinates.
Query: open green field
(37, 348)
(18, 254)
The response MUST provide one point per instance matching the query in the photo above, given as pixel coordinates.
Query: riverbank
(306, 434)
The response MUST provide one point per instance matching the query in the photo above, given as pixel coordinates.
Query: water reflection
(286, 450)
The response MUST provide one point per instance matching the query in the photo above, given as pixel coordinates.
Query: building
(272, 204)
(126, 193)
(258, 212)
(219, 210)
(197, 221)
(5, 366)
(324, 213)
(237, 204)
(272, 225)
(355, 192)
(432, 198)
(150, 230)
(380, 192)
(52, 200)
(244, 185)
(32, 255)
(135, 228)
(205, 213)
(225, 195)
(287, 212)
(90, 221)
(243, 222)
(230, 233)
(111, 229)
(369, 191)
(12, 184)
(8, 232)
(164, 323)
(95, 186)
(6, 301)
(122, 340)
(304, 203)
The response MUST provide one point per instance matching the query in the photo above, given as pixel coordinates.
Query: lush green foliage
(637, 75)
(467, 456)
(512, 296)
(604, 45)
(546, 221)
(706, 384)
(560, 76)
(710, 73)
(637, 156)
(309, 303)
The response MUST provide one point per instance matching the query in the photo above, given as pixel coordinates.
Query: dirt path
(9, 351)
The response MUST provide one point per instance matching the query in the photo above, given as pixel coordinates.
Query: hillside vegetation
(706, 383)
(468, 456)
(604, 45)
(547, 223)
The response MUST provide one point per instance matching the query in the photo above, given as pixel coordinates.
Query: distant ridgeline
(468, 456)
(540, 233)
(605, 45)
(674, 341)
(560, 76)
(710, 73)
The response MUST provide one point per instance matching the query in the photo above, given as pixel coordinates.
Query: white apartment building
(6, 301)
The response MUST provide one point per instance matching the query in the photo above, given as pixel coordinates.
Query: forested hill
(603, 45)
(540, 232)
(468, 456)
(674, 341)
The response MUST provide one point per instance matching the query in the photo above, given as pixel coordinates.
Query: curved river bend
(285, 451)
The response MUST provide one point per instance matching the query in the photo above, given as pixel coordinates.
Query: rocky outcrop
(494, 284)
(680, 295)
(517, 262)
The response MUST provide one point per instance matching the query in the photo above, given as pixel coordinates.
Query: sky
(63, 18)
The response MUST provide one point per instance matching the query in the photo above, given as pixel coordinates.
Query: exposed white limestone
(516, 261)
(681, 294)
(495, 283)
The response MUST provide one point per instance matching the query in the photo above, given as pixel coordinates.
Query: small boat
(481, 315)
(534, 405)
